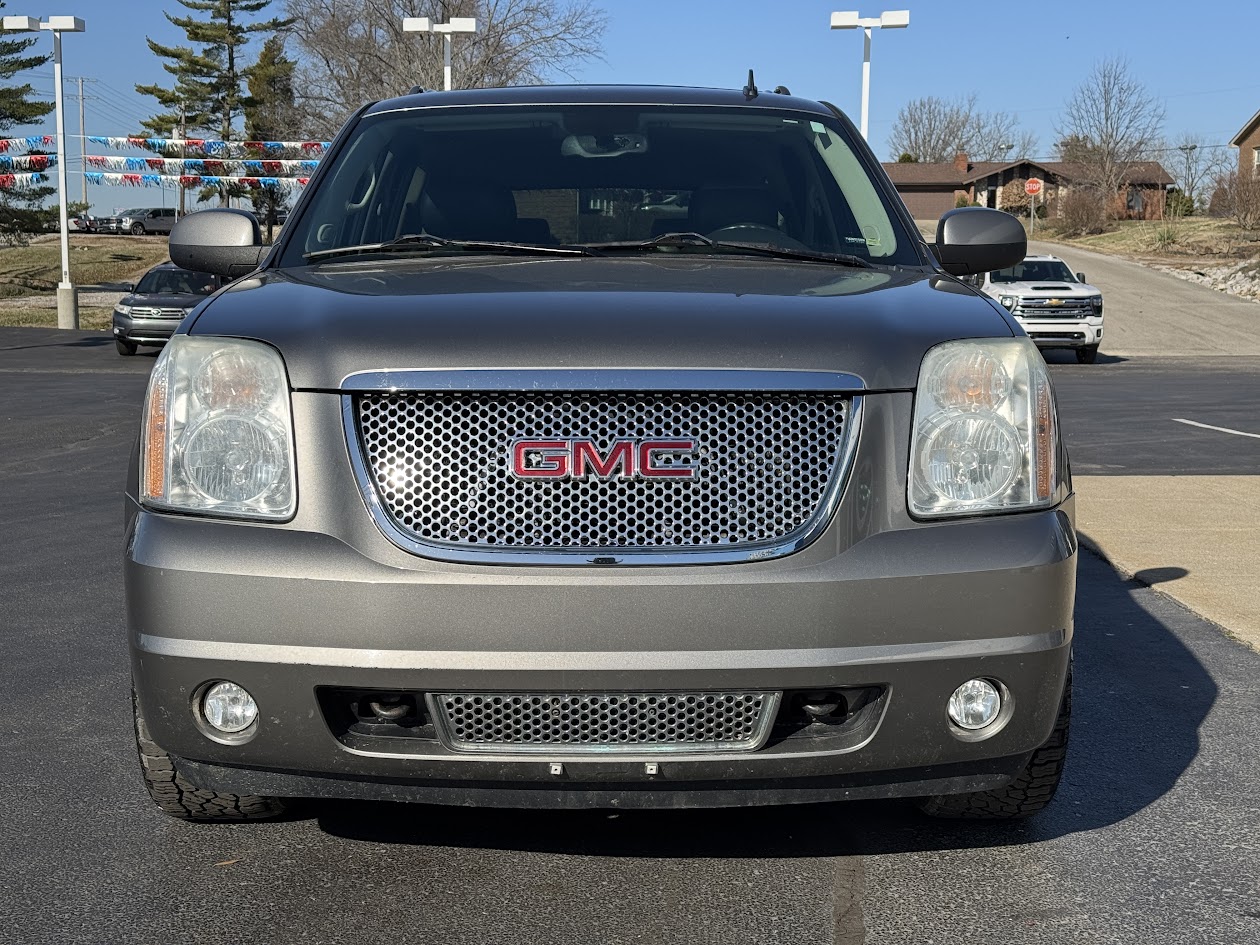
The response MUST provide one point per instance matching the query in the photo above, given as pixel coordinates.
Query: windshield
(598, 174)
(1035, 270)
(176, 282)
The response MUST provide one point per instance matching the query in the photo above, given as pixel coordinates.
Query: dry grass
(1175, 241)
(36, 269)
(91, 317)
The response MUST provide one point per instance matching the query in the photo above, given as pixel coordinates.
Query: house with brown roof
(931, 189)
(1247, 142)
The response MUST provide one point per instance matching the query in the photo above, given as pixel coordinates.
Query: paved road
(1161, 315)
(1155, 837)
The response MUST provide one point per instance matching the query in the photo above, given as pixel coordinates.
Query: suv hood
(1044, 289)
(184, 300)
(532, 312)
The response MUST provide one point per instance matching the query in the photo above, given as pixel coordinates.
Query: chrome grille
(142, 312)
(626, 721)
(1038, 308)
(440, 465)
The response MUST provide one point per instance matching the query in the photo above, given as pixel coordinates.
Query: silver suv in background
(147, 220)
(1057, 308)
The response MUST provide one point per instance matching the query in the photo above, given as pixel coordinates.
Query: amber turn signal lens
(154, 458)
(1044, 435)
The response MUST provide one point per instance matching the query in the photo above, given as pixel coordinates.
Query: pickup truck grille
(1041, 308)
(440, 464)
(602, 722)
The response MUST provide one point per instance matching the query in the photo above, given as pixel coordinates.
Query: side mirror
(971, 240)
(1081, 277)
(223, 242)
(131, 288)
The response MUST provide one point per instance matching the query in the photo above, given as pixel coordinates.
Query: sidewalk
(1194, 538)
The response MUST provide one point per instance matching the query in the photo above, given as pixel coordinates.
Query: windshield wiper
(420, 242)
(667, 241)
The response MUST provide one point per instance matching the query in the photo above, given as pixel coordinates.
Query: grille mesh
(441, 464)
(713, 720)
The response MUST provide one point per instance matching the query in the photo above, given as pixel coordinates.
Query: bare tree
(935, 129)
(1195, 163)
(1110, 121)
(355, 51)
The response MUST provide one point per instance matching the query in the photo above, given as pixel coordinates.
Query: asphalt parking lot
(1154, 837)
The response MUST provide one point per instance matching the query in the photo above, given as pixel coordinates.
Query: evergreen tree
(270, 115)
(21, 211)
(208, 92)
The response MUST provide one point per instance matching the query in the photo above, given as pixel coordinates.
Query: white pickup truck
(1057, 308)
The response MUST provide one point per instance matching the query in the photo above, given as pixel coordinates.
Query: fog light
(229, 708)
(974, 704)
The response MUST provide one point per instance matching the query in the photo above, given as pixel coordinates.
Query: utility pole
(183, 153)
(82, 141)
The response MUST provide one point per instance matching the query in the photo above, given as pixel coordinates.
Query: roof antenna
(750, 90)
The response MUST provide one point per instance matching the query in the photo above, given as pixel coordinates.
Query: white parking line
(1208, 426)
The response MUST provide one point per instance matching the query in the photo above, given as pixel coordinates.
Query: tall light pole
(67, 300)
(851, 20)
(457, 24)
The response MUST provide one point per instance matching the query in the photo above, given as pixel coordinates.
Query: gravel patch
(1241, 279)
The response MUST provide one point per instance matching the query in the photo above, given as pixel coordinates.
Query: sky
(1205, 71)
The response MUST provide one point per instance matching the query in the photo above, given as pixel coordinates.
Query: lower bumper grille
(605, 722)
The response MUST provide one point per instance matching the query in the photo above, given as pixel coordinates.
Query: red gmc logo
(582, 459)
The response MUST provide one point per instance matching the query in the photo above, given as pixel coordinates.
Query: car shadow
(1140, 696)
(1067, 356)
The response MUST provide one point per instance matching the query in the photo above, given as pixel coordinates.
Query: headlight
(1096, 301)
(984, 430)
(1008, 302)
(122, 309)
(218, 432)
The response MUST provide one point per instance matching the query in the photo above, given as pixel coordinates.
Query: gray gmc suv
(600, 446)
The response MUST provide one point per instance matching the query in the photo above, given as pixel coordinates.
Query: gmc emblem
(582, 459)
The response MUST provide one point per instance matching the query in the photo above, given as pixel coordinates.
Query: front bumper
(144, 331)
(1062, 332)
(287, 613)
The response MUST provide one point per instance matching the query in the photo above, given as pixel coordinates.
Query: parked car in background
(1057, 308)
(485, 485)
(157, 304)
(147, 220)
(83, 223)
(108, 224)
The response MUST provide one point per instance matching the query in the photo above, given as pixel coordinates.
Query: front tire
(1030, 791)
(174, 795)
(1087, 354)
(125, 348)
(137, 229)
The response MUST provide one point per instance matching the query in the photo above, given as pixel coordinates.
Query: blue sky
(1207, 75)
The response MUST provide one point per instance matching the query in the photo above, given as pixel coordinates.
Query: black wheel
(1087, 355)
(175, 796)
(125, 348)
(1028, 793)
(137, 229)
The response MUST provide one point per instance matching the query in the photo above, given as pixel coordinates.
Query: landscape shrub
(1083, 212)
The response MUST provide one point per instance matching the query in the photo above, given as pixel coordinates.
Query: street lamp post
(67, 299)
(851, 20)
(1188, 150)
(457, 24)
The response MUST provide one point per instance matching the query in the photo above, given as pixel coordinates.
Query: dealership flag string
(282, 184)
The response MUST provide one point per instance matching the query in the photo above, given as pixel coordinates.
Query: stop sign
(1032, 186)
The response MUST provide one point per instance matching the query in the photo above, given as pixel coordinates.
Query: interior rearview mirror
(223, 242)
(971, 240)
